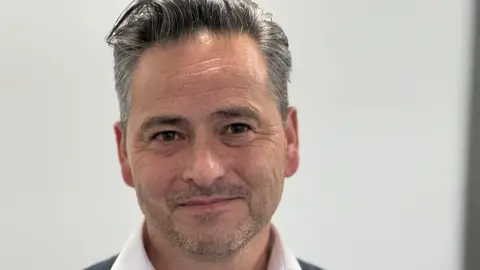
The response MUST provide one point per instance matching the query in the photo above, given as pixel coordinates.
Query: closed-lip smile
(206, 205)
(206, 201)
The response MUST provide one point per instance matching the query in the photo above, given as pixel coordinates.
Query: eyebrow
(176, 120)
(238, 112)
(164, 120)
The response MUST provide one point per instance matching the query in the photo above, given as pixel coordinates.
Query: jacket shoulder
(103, 265)
(307, 266)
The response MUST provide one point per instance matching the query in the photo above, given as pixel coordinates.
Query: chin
(214, 227)
(215, 243)
(212, 237)
(211, 225)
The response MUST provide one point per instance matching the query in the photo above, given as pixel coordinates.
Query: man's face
(205, 146)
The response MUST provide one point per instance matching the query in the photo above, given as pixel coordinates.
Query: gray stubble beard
(221, 247)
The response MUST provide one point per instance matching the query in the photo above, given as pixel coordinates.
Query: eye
(238, 128)
(166, 136)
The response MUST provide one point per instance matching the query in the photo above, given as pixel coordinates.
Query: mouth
(206, 201)
(211, 204)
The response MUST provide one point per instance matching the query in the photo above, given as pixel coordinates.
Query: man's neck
(255, 255)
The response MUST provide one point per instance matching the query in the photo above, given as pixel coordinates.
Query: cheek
(261, 167)
(152, 174)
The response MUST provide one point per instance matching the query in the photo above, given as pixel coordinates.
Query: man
(206, 135)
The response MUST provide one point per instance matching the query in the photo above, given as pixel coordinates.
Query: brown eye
(238, 128)
(165, 136)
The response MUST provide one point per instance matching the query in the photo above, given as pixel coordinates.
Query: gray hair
(145, 23)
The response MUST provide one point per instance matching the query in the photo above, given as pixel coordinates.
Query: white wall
(382, 91)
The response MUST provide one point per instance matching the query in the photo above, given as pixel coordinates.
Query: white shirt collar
(133, 255)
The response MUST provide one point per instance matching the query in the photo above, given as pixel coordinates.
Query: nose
(204, 165)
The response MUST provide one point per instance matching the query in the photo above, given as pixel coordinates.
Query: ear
(291, 134)
(122, 154)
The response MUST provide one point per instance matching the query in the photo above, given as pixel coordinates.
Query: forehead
(201, 67)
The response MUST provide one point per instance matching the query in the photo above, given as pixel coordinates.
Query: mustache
(217, 190)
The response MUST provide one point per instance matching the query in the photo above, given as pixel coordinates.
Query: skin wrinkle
(174, 93)
(200, 82)
(176, 83)
(205, 62)
(223, 68)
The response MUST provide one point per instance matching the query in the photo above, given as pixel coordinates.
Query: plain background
(382, 92)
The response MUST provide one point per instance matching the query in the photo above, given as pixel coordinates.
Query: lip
(206, 204)
(205, 201)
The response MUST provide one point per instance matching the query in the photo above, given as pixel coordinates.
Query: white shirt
(134, 256)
